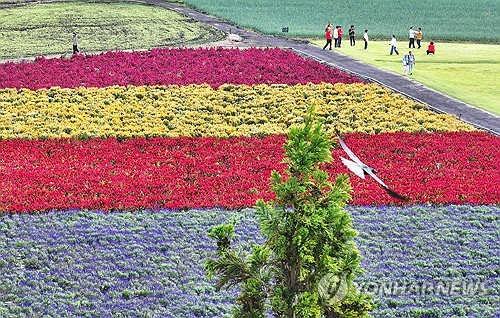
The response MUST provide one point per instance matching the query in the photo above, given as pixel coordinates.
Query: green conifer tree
(308, 261)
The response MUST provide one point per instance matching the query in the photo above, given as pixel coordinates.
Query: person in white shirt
(365, 38)
(411, 44)
(75, 43)
(336, 36)
(408, 62)
(394, 45)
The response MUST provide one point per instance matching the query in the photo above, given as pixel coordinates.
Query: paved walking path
(437, 101)
(404, 85)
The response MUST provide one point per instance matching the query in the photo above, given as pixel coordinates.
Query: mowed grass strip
(42, 29)
(465, 71)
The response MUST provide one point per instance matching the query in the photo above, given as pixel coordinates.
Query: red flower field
(187, 172)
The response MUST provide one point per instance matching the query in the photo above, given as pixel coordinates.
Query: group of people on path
(337, 33)
(408, 59)
(333, 33)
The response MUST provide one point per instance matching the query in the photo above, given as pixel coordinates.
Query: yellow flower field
(195, 110)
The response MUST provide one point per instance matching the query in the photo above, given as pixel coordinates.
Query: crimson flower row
(171, 66)
(177, 173)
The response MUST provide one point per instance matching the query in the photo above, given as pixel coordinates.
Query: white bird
(359, 168)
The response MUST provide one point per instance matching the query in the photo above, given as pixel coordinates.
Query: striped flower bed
(229, 111)
(178, 140)
(180, 173)
(150, 263)
(171, 66)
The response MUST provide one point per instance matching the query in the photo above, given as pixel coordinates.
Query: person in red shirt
(341, 33)
(328, 35)
(431, 49)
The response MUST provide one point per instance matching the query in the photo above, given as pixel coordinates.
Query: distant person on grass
(419, 36)
(431, 49)
(408, 62)
(411, 36)
(352, 35)
(336, 36)
(328, 35)
(365, 38)
(341, 34)
(75, 43)
(394, 45)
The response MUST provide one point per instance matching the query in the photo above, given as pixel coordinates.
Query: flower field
(199, 110)
(179, 173)
(171, 66)
(150, 263)
(128, 159)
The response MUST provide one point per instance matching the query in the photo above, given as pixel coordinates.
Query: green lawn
(468, 72)
(42, 29)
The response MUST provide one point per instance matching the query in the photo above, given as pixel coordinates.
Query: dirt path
(437, 101)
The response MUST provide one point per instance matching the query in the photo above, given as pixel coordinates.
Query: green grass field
(450, 20)
(42, 29)
(466, 71)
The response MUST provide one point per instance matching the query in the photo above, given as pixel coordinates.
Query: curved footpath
(435, 100)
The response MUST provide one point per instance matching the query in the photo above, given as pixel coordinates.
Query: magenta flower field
(171, 66)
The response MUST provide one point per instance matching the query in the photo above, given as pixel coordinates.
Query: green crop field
(456, 20)
(42, 29)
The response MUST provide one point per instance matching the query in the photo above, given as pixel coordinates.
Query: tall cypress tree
(308, 261)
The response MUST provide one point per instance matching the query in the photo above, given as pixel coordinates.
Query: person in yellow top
(418, 36)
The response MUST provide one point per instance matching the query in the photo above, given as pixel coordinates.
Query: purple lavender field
(420, 261)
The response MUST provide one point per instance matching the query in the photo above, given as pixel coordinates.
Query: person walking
(75, 43)
(341, 34)
(336, 36)
(352, 35)
(410, 62)
(365, 38)
(328, 36)
(412, 38)
(394, 45)
(419, 36)
(405, 64)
